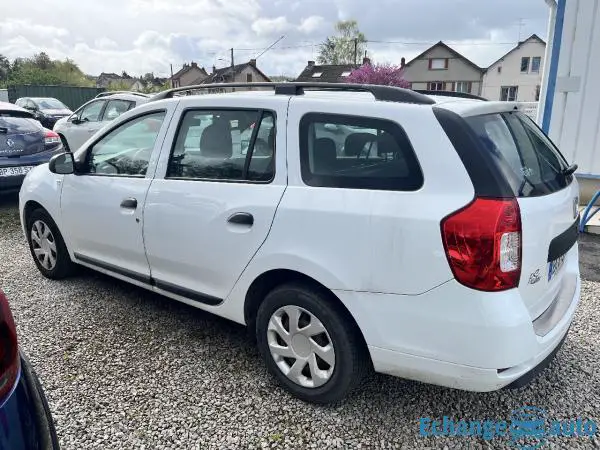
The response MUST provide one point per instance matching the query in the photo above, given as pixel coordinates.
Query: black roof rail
(381, 93)
(107, 93)
(451, 94)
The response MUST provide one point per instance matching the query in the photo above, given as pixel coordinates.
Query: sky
(140, 36)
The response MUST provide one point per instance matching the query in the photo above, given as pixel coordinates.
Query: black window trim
(260, 116)
(86, 154)
(347, 119)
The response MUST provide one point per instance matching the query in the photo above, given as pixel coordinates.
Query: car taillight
(483, 244)
(51, 138)
(9, 354)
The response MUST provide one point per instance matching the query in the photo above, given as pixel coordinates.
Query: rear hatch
(548, 197)
(20, 134)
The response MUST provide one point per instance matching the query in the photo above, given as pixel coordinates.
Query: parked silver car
(76, 129)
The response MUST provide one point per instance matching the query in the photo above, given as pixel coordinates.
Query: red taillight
(483, 244)
(50, 137)
(9, 354)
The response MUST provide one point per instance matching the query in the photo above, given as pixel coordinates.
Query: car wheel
(65, 144)
(47, 246)
(309, 344)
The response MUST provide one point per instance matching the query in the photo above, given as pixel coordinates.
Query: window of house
(508, 93)
(438, 63)
(126, 150)
(248, 78)
(537, 93)
(499, 69)
(355, 152)
(228, 145)
(317, 74)
(435, 86)
(536, 61)
(463, 86)
(525, 64)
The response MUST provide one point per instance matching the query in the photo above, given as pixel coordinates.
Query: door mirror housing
(62, 164)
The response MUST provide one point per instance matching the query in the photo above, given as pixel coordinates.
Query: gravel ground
(126, 369)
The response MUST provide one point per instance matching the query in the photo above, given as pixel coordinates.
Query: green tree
(345, 47)
(4, 68)
(41, 70)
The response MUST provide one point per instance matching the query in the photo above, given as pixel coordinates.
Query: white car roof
(129, 97)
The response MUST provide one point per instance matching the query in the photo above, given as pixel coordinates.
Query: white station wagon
(352, 228)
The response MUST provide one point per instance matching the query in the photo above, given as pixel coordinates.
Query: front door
(102, 204)
(86, 124)
(212, 207)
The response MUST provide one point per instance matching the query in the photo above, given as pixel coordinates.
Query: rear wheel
(47, 246)
(309, 345)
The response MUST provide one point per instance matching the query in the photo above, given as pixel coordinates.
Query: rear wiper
(569, 170)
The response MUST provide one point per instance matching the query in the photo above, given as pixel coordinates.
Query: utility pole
(171, 76)
(232, 64)
(355, 49)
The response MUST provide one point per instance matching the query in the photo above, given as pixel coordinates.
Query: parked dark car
(24, 144)
(46, 110)
(25, 419)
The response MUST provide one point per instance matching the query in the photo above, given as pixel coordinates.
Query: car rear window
(16, 123)
(532, 165)
(356, 152)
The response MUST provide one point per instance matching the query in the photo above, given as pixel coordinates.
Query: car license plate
(555, 266)
(14, 171)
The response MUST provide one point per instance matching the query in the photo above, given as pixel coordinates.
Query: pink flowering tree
(383, 74)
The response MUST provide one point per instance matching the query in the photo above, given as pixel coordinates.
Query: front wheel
(309, 344)
(47, 246)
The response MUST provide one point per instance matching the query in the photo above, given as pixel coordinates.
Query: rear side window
(355, 152)
(528, 159)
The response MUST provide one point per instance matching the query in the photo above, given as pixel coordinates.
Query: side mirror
(62, 164)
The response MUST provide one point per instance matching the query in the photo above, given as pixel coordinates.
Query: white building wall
(570, 107)
(511, 75)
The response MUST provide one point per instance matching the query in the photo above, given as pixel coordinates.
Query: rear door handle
(241, 218)
(129, 203)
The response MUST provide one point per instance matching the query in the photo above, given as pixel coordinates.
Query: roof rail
(107, 93)
(381, 93)
(451, 94)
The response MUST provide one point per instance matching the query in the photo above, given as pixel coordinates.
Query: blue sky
(142, 36)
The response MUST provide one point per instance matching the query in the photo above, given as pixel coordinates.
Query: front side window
(91, 112)
(126, 150)
(355, 152)
(226, 145)
(530, 162)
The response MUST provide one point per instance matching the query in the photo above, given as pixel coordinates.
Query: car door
(211, 206)
(101, 205)
(82, 125)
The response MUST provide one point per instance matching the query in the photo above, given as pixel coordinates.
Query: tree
(383, 74)
(4, 68)
(345, 47)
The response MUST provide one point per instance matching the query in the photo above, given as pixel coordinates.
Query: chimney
(253, 62)
(366, 61)
(194, 64)
(311, 64)
(402, 62)
(214, 69)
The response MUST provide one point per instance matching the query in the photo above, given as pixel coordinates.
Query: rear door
(213, 200)
(548, 199)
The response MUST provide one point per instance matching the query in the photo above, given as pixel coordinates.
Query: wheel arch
(269, 280)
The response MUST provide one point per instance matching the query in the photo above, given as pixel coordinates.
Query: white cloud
(264, 26)
(104, 43)
(311, 24)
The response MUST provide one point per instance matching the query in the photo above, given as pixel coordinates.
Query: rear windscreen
(9, 124)
(529, 161)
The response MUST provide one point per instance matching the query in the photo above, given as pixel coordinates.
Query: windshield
(531, 163)
(49, 103)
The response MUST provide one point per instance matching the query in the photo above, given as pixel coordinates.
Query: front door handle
(129, 203)
(241, 218)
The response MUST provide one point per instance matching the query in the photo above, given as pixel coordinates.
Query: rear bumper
(452, 336)
(9, 184)
(25, 419)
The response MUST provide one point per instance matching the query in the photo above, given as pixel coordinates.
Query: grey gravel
(124, 368)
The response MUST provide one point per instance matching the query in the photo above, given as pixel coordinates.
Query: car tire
(47, 246)
(65, 144)
(320, 368)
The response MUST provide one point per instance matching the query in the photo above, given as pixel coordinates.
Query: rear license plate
(14, 171)
(555, 266)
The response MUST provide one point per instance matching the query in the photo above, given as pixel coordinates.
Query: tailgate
(20, 136)
(549, 236)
